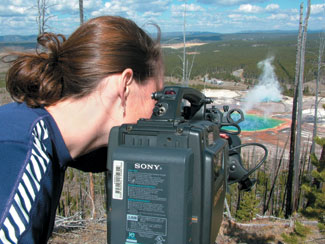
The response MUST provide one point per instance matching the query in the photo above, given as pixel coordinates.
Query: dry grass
(230, 233)
(92, 233)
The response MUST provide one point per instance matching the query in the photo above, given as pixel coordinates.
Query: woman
(68, 97)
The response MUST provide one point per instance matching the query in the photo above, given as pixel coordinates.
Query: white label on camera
(118, 177)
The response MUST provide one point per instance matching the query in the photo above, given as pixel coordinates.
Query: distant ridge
(18, 38)
(176, 37)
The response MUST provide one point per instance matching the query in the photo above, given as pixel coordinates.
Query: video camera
(169, 173)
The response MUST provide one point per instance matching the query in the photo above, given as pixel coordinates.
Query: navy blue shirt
(33, 160)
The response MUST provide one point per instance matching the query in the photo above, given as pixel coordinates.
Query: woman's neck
(83, 123)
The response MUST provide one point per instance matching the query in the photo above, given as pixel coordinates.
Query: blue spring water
(254, 122)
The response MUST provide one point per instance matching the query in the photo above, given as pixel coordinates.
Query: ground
(92, 232)
(262, 232)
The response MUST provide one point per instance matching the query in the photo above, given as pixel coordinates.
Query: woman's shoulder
(17, 121)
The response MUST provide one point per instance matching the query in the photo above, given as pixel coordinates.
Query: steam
(268, 88)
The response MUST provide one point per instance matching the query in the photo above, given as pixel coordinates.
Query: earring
(124, 111)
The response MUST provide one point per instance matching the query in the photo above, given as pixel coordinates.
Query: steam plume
(268, 88)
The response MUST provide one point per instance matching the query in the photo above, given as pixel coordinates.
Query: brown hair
(74, 67)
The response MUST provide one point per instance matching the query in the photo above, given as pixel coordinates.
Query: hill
(190, 36)
(219, 55)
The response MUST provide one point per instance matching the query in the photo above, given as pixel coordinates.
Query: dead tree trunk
(43, 16)
(91, 176)
(185, 82)
(288, 210)
(92, 194)
(81, 11)
(41, 7)
(275, 177)
(319, 66)
(299, 116)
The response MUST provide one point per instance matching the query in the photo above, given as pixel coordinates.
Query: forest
(220, 58)
(221, 54)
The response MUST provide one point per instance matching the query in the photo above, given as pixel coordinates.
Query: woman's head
(73, 68)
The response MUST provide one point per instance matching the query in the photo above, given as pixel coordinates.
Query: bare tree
(185, 81)
(43, 15)
(293, 122)
(319, 66)
(81, 10)
(293, 174)
(275, 178)
(300, 101)
(91, 177)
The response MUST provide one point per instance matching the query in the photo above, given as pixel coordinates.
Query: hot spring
(255, 122)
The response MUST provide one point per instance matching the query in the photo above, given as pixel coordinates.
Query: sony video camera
(169, 173)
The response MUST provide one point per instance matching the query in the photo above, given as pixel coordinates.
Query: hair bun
(50, 43)
(37, 78)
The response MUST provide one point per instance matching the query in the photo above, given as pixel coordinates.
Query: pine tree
(315, 193)
(248, 207)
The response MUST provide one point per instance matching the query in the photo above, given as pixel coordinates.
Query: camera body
(169, 173)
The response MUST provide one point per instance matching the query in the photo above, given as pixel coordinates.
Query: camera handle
(170, 105)
(224, 119)
(237, 172)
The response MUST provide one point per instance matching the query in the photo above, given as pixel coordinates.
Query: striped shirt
(33, 159)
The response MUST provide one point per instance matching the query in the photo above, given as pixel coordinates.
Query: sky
(18, 17)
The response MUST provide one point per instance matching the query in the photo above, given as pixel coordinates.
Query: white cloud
(189, 8)
(229, 2)
(294, 10)
(67, 26)
(17, 7)
(193, 11)
(114, 7)
(18, 25)
(19, 16)
(241, 17)
(294, 18)
(151, 14)
(73, 5)
(128, 8)
(234, 16)
(248, 8)
(272, 7)
(317, 9)
(279, 16)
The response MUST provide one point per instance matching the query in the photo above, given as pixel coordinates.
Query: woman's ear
(126, 80)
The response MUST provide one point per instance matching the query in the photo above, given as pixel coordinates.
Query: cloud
(131, 8)
(192, 11)
(241, 17)
(151, 14)
(17, 7)
(189, 8)
(248, 8)
(317, 9)
(113, 8)
(229, 2)
(68, 6)
(272, 7)
(18, 24)
(280, 16)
